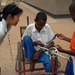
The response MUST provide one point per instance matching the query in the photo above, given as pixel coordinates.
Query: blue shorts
(29, 51)
(69, 68)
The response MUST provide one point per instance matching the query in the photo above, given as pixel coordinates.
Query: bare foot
(32, 65)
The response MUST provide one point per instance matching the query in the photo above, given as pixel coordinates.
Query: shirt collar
(34, 29)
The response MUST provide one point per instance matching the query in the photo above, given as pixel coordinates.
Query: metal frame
(21, 60)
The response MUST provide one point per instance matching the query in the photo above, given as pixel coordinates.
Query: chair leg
(0, 70)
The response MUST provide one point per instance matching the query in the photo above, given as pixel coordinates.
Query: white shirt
(3, 30)
(44, 36)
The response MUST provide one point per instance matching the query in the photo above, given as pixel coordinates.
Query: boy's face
(72, 13)
(40, 24)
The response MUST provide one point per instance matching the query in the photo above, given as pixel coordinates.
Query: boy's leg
(45, 59)
(28, 45)
(29, 51)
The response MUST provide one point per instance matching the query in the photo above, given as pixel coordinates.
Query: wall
(53, 7)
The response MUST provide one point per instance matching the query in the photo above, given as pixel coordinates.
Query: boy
(38, 33)
(70, 68)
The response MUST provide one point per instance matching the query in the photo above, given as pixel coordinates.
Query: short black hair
(72, 6)
(41, 16)
(12, 9)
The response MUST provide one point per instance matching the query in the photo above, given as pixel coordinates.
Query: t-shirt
(72, 46)
(72, 43)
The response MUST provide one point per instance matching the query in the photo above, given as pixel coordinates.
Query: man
(70, 68)
(38, 33)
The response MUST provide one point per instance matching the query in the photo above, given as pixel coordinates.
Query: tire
(19, 57)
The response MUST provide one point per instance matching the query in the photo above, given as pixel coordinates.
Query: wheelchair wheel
(19, 57)
(57, 63)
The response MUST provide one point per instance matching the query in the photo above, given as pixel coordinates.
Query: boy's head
(40, 20)
(72, 10)
(41, 16)
(72, 7)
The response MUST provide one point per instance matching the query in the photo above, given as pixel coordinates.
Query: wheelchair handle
(54, 37)
(53, 51)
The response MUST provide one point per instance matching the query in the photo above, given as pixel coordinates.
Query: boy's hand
(61, 36)
(59, 48)
(39, 43)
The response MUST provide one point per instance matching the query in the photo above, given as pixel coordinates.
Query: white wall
(53, 6)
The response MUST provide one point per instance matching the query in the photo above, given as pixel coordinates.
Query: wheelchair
(22, 62)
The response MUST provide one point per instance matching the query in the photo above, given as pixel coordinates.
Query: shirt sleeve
(72, 43)
(26, 32)
(2, 34)
(1, 37)
(50, 33)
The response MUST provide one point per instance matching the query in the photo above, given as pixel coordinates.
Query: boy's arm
(67, 39)
(50, 45)
(62, 37)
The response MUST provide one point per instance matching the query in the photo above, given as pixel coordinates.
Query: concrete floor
(8, 52)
